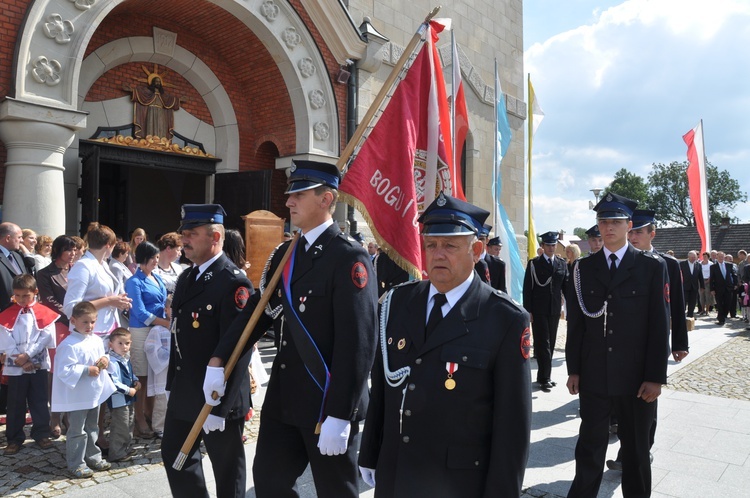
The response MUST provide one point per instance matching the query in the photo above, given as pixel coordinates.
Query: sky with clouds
(620, 82)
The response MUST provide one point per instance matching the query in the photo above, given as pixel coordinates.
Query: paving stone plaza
(702, 444)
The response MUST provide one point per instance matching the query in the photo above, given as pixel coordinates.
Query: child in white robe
(80, 384)
(156, 348)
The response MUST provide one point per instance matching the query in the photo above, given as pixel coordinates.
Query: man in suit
(11, 262)
(325, 307)
(543, 284)
(595, 239)
(723, 281)
(206, 301)
(729, 260)
(692, 282)
(495, 265)
(450, 408)
(617, 350)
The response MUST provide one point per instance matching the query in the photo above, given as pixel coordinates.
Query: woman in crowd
(170, 248)
(90, 279)
(43, 250)
(80, 248)
(138, 236)
(52, 281)
(234, 248)
(117, 262)
(149, 296)
(28, 248)
(707, 300)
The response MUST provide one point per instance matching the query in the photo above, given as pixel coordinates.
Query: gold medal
(196, 324)
(401, 343)
(450, 384)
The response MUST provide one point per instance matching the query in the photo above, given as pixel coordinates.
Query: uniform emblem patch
(359, 275)
(526, 343)
(666, 292)
(241, 295)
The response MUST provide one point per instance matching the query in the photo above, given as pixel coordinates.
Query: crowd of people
(123, 328)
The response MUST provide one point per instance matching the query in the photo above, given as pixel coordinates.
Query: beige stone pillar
(36, 138)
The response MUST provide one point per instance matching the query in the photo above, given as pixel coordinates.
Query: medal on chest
(196, 323)
(450, 383)
(302, 304)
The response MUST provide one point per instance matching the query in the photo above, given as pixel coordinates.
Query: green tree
(581, 233)
(669, 197)
(631, 186)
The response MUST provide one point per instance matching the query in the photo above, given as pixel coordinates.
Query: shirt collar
(453, 295)
(208, 263)
(5, 251)
(312, 235)
(620, 253)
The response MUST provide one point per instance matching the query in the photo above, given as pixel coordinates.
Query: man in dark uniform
(388, 273)
(595, 239)
(206, 300)
(543, 284)
(617, 350)
(495, 265)
(325, 308)
(494, 246)
(692, 282)
(641, 237)
(450, 408)
(723, 281)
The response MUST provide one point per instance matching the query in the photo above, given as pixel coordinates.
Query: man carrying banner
(450, 408)
(325, 307)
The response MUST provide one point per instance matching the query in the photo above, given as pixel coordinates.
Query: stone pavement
(701, 450)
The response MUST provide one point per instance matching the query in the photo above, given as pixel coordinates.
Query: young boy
(79, 386)
(26, 331)
(121, 403)
(157, 347)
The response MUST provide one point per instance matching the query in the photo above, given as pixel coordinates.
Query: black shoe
(614, 465)
(547, 386)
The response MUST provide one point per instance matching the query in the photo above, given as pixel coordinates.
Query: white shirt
(620, 253)
(312, 235)
(208, 263)
(26, 337)
(89, 280)
(156, 348)
(451, 297)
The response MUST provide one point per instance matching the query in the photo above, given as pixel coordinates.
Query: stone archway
(48, 86)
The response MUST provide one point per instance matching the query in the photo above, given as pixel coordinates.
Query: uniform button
(609, 296)
(309, 292)
(476, 463)
(418, 361)
(177, 330)
(610, 313)
(407, 413)
(633, 292)
(179, 368)
(412, 387)
(464, 358)
(609, 349)
(610, 332)
(282, 366)
(283, 343)
(405, 439)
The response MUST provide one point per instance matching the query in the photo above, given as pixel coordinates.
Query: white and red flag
(697, 186)
(406, 159)
(460, 121)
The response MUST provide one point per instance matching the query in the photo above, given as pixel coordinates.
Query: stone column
(36, 138)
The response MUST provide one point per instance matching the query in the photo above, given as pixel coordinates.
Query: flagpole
(454, 94)
(530, 131)
(376, 103)
(705, 176)
(495, 165)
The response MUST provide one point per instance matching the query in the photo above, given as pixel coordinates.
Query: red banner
(697, 185)
(406, 159)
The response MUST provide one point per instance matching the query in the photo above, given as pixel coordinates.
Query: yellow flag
(534, 118)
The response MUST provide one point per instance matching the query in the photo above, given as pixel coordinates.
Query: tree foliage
(629, 185)
(581, 233)
(666, 192)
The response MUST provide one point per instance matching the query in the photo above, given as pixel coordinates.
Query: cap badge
(182, 213)
(441, 200)
(609, 197)
(293, 168)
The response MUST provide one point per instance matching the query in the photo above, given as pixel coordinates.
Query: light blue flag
(514, 267)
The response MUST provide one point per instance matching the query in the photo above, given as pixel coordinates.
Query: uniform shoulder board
(506, 297)
(408, 282)
(652, 255)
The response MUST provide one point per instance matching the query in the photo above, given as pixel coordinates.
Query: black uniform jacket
(213, 301)
(545, 300)
(634, 347)
(676, 304)
(470, 441)
(692, 281)
(389, 273)
(497, 272)
(334, 283)
(719, 284)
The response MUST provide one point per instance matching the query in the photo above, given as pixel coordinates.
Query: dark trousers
(544, 330)
(227, 455)
(723, 305)
(691, 298)
(32, 389)
(283, 453)
(635, 418)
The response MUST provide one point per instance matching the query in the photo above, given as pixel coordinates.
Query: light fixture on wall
(343, 76)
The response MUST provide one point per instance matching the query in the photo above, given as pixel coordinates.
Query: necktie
(612, 266)
(436, 314)
(13, 264)
(723, 270)
(549, 263)
(193, 275)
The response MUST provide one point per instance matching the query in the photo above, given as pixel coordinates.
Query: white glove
(334, 436)
(212, 423)
(368, 475)
(214, 381)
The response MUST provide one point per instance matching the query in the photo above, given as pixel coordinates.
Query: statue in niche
(153, 106)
